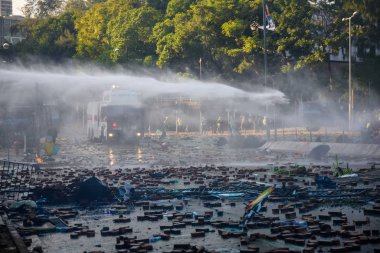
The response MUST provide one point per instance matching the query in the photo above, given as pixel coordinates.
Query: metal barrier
(353, 150)
(15, 179)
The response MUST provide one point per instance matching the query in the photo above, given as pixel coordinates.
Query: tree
(56, 44)
(366, 36)
(175, 34)
(178, 6)
(93, 42)
(76, 6)
(117, 30)
(159, 5)
(130, 35)
(42, 8)
(216, 31)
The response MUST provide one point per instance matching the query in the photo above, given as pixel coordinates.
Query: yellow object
(49, 148)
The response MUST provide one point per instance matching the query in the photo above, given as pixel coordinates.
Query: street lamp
(265, 44)
(350, 95)
(254, 27)
(200, 68)
(7, 52)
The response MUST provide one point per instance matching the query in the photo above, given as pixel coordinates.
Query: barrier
(352, 150)
(15, 179)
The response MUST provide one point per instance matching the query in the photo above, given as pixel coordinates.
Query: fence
(15, 179)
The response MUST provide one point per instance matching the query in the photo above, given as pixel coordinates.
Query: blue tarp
(324, 182)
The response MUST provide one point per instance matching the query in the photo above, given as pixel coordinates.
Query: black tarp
(91, 189)
(319, 152)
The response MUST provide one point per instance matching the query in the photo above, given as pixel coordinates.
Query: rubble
(201, 209)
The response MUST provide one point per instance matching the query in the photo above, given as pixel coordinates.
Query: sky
(17, 5)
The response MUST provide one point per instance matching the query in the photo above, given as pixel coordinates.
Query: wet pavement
(189, 161)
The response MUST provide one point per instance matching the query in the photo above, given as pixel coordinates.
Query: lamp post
(7, 50)
(265, 65)
(200, 68)
(350, 95)
(253, 28)
(265, 44)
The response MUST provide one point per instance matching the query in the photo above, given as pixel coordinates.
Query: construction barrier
(352, 150)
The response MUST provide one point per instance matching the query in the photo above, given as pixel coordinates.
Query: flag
(270, 25)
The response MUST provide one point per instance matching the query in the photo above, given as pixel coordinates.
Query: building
(342, 55)
(5, 7)
(7, 32)
(7, 22)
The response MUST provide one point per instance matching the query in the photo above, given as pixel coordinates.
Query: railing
(15, 179)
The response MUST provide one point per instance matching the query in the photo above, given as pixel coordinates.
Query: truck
(118, 117)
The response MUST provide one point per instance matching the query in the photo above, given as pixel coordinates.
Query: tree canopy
(176, 34)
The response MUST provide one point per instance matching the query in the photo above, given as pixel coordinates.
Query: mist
(86, 83)
(74, 84)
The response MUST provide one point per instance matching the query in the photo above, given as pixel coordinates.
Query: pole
(349, 76)
(84, 116)
(200, 122)
(350, 92)
(37, 117)
(274, 123)
(265, 44)
(24, 143)
(200, 68)
(176, 122)
(265, 66)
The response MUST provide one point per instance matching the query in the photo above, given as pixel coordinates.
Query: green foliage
(175, 34)
(234, 28)
(42, 8)
(212, 30)
(159, 5)
(92, 40)
(339, 171)
(130, 34)
(57, 44)
(178, 6)
(76, 6)
(281, 171)
(117, 31)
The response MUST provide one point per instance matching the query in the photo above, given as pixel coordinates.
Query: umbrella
(255, 205)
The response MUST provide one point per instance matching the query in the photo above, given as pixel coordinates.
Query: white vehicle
(119, 117)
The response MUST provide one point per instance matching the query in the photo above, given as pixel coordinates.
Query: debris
(253, 207)
(127, 191)
(221, 141)
(23, 204)
(91, 189)
(319, 152)
(324, 182)
(161, 200)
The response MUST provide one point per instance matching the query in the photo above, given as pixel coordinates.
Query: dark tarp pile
(92, 189)
(319, 152)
